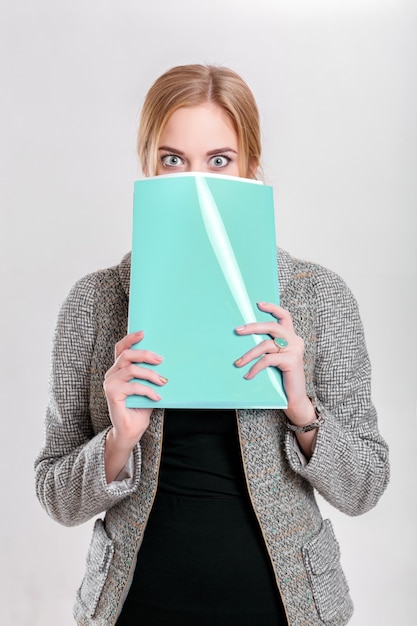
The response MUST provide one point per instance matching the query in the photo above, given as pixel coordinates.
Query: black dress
(202, 561)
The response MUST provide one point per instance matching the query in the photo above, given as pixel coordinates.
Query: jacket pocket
(99, 557)
(322, 561)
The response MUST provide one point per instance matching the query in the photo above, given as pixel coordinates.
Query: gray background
(335, 82)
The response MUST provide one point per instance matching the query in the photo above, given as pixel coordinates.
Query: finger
(142, 373)
(267, 360)
(278, 312)
(267, 346)
(140, 356)
(128, 341)
(285, 360)
(133, 370)
(136, 389)
(263, 328)
(134, 356)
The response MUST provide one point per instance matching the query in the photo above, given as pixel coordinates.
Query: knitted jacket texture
(349, 466)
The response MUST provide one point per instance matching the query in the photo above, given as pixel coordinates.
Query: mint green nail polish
(281, 343)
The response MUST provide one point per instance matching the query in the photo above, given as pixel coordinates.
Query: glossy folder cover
(203, 254)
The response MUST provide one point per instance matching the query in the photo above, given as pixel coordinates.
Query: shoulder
(111, 278)
(306, 277)
(106, 285)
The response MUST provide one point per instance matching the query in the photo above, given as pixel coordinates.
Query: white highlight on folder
(223, 250)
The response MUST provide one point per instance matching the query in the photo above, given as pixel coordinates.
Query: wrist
(118, 443)
(116, 455)
(313, 419)
(301, 413)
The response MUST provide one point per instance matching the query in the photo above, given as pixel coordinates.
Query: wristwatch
(306, 429)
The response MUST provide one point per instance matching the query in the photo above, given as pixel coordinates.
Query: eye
(219, 161)
(171, 160)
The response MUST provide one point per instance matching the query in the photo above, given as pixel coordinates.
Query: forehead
(205, 123)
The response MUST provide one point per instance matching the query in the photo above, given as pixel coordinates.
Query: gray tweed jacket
(349, 466)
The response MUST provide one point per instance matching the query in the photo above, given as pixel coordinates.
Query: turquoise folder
(203, 254)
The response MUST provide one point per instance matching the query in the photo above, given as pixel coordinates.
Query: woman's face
(198, 139)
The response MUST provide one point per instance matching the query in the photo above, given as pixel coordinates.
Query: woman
(210, 515)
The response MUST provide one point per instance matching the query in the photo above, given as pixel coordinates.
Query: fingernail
(158, 397)
(239, 328)
(282, 343)
(238, 361)
(260, 304)
(139, 332)
(163, 379)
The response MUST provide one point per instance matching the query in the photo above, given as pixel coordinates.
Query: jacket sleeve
(349, 466)
(69, 471)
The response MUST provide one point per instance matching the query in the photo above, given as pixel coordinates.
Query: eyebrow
(220, 150)
(209, 153)
(169, 149)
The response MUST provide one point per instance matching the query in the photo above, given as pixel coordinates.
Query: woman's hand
(128, 424)
(289, 359)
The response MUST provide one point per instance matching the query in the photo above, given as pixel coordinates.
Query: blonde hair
(191, 85)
